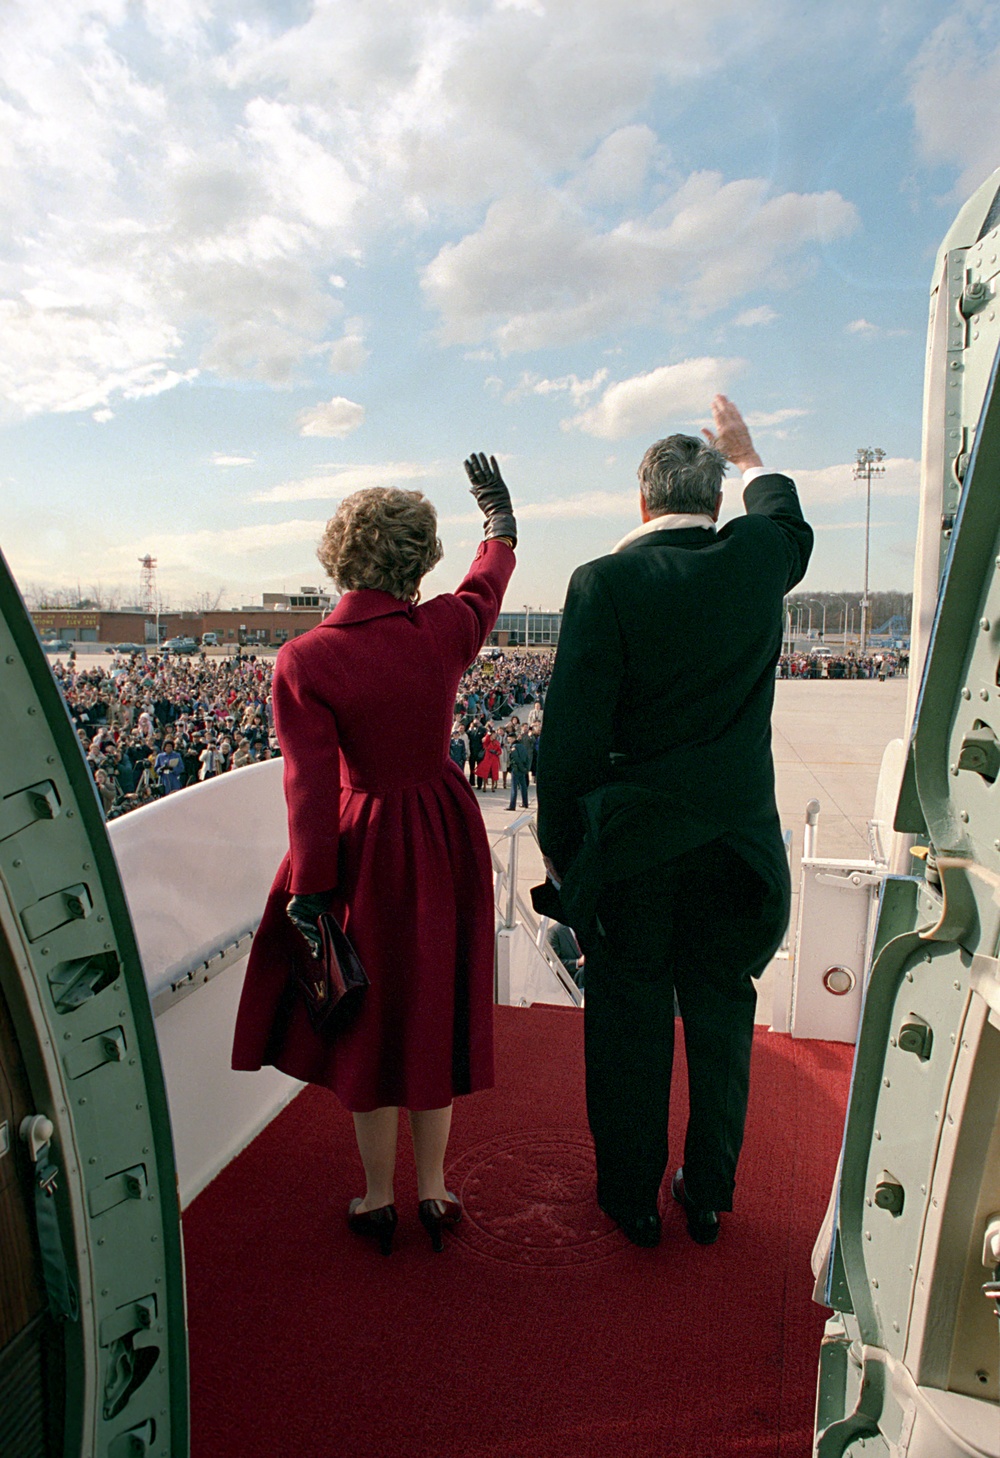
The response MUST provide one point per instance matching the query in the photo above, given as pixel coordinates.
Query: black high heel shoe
(435, 1215)
(380, 1223)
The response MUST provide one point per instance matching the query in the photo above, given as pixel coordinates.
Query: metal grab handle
(64, 1304)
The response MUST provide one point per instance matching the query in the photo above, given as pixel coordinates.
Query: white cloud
(867, 330)
(189, 186)
(835, 484)
(347, 354)
(586, 505)
(657, 402)
(103, 415)
(183, 548)
(219, 459)
(617, 170)
(590, 503)
(337, 417)
(531, 384)
(955, 94)
(751, 318)
(769, 419)
(539, 272)
(342, 480)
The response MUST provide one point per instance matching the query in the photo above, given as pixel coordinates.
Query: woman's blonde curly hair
(381, 537)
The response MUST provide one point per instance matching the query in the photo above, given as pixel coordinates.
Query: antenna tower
(147, 584)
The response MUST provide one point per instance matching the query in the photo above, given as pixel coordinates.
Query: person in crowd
(476, 733)
(520, 767)
(169, 765)
(458, 746)
(659, 825)
(106, 791)
(225, 754)
(242, 756)
(385, 832)
(210, 760)
(489, 765)
(535, 740)
(508, 739)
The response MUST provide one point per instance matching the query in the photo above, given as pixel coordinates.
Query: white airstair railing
(527, 969)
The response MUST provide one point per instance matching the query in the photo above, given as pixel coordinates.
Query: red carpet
(540, 1332)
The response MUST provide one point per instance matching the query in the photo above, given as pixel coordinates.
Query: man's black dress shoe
(640, 1229)
(703, 1225)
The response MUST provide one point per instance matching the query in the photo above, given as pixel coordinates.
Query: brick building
(277, 619)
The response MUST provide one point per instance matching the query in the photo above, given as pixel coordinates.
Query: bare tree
(40, 596)
(206, 602)
(107, 599)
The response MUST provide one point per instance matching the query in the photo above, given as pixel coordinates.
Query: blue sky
(259, 254)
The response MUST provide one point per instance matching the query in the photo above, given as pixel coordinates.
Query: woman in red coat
(489, 765)
(385, 831)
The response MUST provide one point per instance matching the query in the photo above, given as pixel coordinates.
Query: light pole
(819, 604)
(844, 632)
(866, 466)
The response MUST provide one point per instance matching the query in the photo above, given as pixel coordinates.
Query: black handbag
(333, 984)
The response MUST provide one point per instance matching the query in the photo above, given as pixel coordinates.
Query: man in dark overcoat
(659, 821)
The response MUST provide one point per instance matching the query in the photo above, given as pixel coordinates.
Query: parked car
(210, 640)
(180, 645)
(126, 648)
(56, 645)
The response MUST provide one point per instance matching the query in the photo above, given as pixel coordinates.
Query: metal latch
(127, 1184)
(915, 1036)
(136, 1443)
(980, 752)
(890, 1195)
(106, 1047)
(850, 880)
(72, 903)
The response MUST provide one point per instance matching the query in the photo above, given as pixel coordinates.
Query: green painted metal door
(89, 1221)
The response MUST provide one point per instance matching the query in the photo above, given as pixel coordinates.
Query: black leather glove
(492, 496)
(304, 913)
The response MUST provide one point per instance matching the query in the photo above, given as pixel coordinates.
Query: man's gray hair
(681, 473)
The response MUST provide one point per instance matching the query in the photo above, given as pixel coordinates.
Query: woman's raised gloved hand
(492, 496)
(304, 913)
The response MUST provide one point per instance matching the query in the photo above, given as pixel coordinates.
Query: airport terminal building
(278, 617)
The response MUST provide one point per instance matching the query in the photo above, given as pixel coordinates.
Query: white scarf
(672, 521)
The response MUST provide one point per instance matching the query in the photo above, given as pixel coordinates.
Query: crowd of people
(151, 725)
(498, 721)
(880, 665)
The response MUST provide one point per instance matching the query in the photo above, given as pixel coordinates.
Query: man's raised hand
(731, 435)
